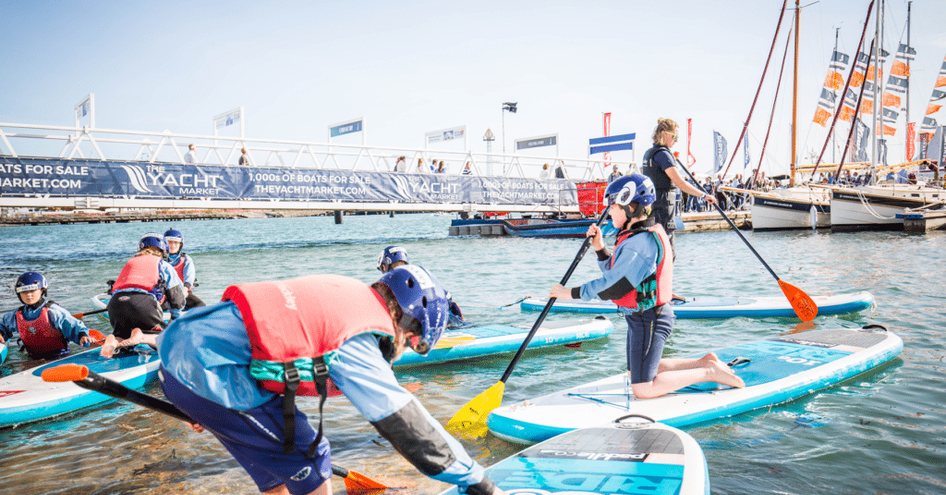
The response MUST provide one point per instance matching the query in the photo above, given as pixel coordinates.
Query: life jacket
(649, 167)
(179, 267)
(39, 336)
(295, 326)
(657, 288)
(141, 272)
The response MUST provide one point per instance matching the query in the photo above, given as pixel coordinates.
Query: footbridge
(47, 166)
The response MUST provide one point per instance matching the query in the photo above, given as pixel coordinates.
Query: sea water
(883, 432)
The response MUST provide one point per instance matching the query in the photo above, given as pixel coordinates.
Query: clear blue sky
(412, 67)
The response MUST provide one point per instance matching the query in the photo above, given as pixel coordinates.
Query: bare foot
(137, 337)
(722, 374)
(709, 359)
(109, 346)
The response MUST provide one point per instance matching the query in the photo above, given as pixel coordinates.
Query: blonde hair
(664, 126)
(152, 251)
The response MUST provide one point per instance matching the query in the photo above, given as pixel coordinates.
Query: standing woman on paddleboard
(44, 327)
(394, 256)
(315, 335)
(145, 282)
(638, 277)
(184, 266)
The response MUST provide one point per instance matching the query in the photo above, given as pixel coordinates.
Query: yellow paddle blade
(804, 306)
(470, 421)
(452, 340)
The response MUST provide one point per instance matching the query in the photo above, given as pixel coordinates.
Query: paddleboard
(631, 456)
(779, 369)
(25, 397)
(3, 352)
(100, 301)
(719, 307)
(489, 340)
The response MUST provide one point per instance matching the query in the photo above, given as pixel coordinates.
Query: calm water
(884, 432)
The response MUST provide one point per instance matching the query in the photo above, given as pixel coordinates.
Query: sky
(416, 66)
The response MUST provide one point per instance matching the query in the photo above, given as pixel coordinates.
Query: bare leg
(112, 343)
(674, 364)
(667, 382)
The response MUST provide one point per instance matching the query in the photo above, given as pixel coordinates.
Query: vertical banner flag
(934, 150)
(833, 82)
(939, 93)
(745, 154)
(691, 160)
(721, 151)
(861, 138)
(911, 140)
(924, 143)
(607, 132)
(897, 83)
(882, 150)
(86, 108)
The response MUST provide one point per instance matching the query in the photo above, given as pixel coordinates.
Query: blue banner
(346, 128)
(612, 139)
(538, 142)
(610, 147)
(721, 151)
(132, 179)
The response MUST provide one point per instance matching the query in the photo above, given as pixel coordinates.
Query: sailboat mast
(794, 165)
(876, 57)
(906, 122)
(834, 137)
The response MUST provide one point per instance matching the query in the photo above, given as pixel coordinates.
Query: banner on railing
(66, 178)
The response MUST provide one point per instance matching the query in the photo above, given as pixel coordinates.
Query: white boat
(876, 207)
(799, 207)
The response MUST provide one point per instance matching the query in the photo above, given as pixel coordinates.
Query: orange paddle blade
(96, 335)
(356, 482)
(804, 306)
(65, 373)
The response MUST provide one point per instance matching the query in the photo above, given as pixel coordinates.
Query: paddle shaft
(103, 385)
(548, 305)
(731, 224)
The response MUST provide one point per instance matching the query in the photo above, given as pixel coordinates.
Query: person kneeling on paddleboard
(145, 282)
(184, 266)
(236, 367)
(44, 327)
(638, 277)
(394, 256)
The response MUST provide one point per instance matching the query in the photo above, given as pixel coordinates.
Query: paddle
(804, 306)
(83, 377)
(470, 420)
(80, 316)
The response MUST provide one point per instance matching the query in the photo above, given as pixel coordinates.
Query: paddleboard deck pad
(631, 456)
(489, 340)
(25, 397)
(775, 370)
(720, 307)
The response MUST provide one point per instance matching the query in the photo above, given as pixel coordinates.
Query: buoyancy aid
(294, 327)
(179, 267)
(649, 167)
(39, 336)
(657, 288)
(141, 272)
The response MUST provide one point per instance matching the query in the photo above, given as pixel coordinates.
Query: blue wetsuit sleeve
(173, 286)
(366, 378)
(190, 271)
(8, 324)
(72, 329)
(634, 260)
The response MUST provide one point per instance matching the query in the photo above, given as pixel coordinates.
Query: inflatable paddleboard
(491, 340)
(630, 455)
(775, 370)
(3, 352)
(719, 307)
(25, 397)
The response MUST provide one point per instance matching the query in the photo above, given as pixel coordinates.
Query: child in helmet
(315, 335)
(145, 282)
(184, 266)
(44, 327)
(394, 256)
(638, 277)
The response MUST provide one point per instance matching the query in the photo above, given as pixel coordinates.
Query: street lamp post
(489, 137)
(511, 107)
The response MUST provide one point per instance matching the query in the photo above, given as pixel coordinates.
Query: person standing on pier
(191, 155)
(316, 335)
(638, 278)
(44, 327)
(184, 266)
(659, 165)
(145, 282)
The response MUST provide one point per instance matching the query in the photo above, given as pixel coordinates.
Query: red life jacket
(141, 272)
(664, 274)
(179, 267)
(295, 325)
(39, 336)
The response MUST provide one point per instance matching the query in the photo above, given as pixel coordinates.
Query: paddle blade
(96, 335)
(470, 420)
(804, 306)
(453, 340)
(65, 373)
(356, 482)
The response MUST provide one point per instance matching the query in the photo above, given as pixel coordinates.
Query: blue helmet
(391, 254)
(152, 239)
(174, 235)
(634, 188)
(30, 281)
(423, 301)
